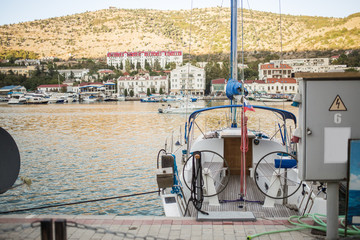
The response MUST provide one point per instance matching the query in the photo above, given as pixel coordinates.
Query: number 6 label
(337, 118)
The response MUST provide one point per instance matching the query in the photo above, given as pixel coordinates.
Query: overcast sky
(28, 10)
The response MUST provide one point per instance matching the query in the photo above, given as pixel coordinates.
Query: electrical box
(329, 115)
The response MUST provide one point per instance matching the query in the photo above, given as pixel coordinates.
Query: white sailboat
(235, 173)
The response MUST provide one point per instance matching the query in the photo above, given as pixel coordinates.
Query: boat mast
(233, 54)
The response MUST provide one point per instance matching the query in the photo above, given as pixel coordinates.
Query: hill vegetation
(93, 34)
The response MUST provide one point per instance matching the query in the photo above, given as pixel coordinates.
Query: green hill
(93, 34)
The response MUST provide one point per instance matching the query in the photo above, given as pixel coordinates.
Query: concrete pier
(139, 227)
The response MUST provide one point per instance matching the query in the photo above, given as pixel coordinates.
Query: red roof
(281, 80)
(140, 78)
(52, 86)
(218, 81)
(271, 66)
(254, 81)
(90, 83)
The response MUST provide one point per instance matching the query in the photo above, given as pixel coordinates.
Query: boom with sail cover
(234, 87)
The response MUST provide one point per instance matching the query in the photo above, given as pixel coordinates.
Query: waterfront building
(19, 70)
(97, 88)
(140, 83)
(7, 90)
(118, 59)
(218, 86)
(74, 73)
(52, 87)
(271, 86)
(282, 85)
(188, 79)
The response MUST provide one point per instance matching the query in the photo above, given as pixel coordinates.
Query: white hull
(271, 99)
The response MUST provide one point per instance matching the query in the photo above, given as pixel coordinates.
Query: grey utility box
(329, 115)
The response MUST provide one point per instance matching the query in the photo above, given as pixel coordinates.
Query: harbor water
(77, 152)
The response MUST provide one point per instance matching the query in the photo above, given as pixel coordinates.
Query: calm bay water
(76, 152)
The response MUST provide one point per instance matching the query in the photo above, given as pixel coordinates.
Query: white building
(52, 87)
(306, 65)
(163, 57)
(27, 62)
(203, 64)
(271, 86)
(274, 70)
(77, 73)
(139, 84)
(188, 78)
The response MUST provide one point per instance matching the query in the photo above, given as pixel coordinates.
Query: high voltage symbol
(337, 105)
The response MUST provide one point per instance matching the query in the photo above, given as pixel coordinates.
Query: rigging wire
(244, 139)
(281, 52)
(188, 73)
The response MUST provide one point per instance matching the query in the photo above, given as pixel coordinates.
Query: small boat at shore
(180, 107)
(270, 98)
(150, 99)
(17, 99)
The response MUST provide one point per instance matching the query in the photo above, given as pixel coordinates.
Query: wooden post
(60, 229)
(46, 229)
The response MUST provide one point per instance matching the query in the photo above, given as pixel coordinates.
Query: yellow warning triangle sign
(338, 105)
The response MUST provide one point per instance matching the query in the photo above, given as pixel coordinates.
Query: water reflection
(78, 152)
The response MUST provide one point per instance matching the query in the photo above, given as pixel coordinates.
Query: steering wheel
(211, 164)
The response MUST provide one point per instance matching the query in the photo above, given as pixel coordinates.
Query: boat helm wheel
(210, 164)
(276, 175)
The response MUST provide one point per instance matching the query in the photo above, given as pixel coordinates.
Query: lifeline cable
(80, 202)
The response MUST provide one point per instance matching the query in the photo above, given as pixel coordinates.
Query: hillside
(93, 34)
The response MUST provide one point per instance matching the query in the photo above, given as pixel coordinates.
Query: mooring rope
(79, 202)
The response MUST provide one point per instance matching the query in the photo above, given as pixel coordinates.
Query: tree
(172, 65)
(126, 93)
(212, 71)
(147, 66)
(161, 91)
(225, 70)
(121, 66)
(138, 66)
(148, 92)
(127, 66)
(131, 93)
(157, 65)
(153, 90)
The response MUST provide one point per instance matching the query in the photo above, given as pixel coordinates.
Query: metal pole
(332, 209)
(46, 229)
(60, 229)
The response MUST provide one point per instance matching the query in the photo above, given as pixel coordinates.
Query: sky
(26, 10)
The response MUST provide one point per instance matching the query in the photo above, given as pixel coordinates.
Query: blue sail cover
(233, 87)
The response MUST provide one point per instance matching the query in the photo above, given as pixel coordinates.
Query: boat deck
(254, 202)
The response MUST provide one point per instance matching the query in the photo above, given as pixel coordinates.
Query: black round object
(9, 161)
